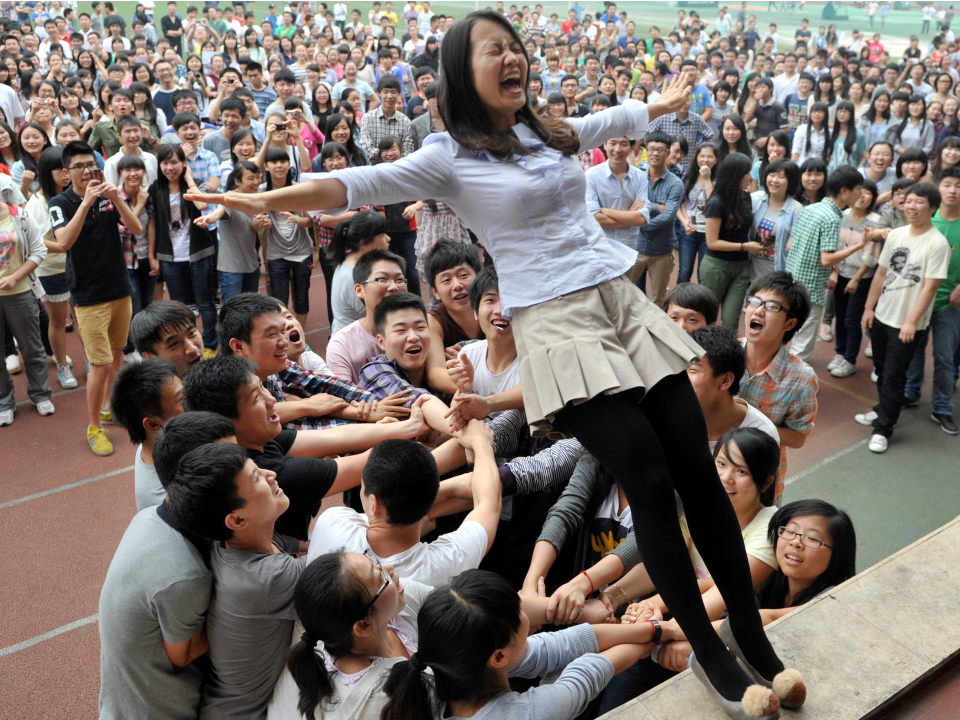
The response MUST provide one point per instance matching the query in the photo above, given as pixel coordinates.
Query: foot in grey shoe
(946, 423)
(65, 377)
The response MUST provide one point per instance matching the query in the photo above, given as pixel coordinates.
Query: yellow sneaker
(208, 353)
(99, 442)
(106, 415)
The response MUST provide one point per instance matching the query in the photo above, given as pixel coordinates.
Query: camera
(96, 176)
(281, 126)
(175, 225)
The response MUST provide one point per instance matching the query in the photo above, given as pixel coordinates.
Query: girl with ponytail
(363, 232)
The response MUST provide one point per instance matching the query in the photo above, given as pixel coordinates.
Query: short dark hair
(388, 82)
(284, 75)
(75, 149)
(659, 137)
(183, 433)
(212, 385)
(403, 475)
(232, 103)
(421, 71)
(696, 297)
(929, 191)
(237, 316)
(792, 292)
(138, 393)
(148, 324)
(724, 351)
(203, 491)
(485, 280)
(127, 121)
(448, 254)
(364, 266)
(392, 303)
(844, 177)
(182, 119)
(949, 172)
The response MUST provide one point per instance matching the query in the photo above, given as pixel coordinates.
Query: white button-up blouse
(529, 212)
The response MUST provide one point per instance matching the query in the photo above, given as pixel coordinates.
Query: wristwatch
(657, 631)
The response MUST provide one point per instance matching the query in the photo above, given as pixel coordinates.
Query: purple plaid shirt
(384, 377)
(302, 383)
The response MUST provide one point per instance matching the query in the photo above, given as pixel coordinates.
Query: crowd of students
(810, 186)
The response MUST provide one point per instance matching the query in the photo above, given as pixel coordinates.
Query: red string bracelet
(592, 588)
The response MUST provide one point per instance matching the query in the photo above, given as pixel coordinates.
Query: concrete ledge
(858, 646)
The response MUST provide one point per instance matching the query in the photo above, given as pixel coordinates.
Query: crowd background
(285, 158)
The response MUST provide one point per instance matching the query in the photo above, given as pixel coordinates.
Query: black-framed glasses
(383, 575)
(399, 282)
(806, 540)
(768, 305)
(89, 167)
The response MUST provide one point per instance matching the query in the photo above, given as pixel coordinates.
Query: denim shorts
(55, 287)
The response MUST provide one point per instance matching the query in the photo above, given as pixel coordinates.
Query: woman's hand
(641, 612)
(867, 320)
(154, 266)
(565, 603)
(203, 221)
(250, 203)
(673, 656)
(754, 248)
(27, 178)
(689, 229)
(832, 280)
(851, 287)
(675, 94)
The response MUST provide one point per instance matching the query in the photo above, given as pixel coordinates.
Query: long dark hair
(460, 626)
(850, 141)
(693, 173)
(356, 155)
(871, 113)
(163, 183)
(815, 165)
(782, 139)
(29, 163)
(237, 137)
(825, 126)
(329, 599)
(350, 235)
(745, 93)
(51, 161)
(760, 452)
(14, 140)
(949, 141)
(743, 145)
(913, 154)
(898, 133)
(149, 106)
(817, 95)
(843, 559)
(276, 154)
(727, 188)
(459, 103)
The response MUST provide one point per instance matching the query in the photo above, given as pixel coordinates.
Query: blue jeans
(232, 283)
(181, 278)
(945, 328)
(692, 247)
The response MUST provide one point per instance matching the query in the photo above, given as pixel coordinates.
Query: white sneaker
(873, 375)
(868, 350)
(833, 363)
(878, 444)
(65, 377)
(45, 408)
(843, 369)
(866, 418)
(6, 417)
(13, 365)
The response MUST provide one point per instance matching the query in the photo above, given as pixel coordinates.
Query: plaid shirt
(376, 126)
(694, 129)
(384, 377)
(325, 234)
(204, 165)
(817, 231)
(302, 383)
(786, 392)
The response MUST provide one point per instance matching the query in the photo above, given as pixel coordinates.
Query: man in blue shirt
(701, 102)
(657, 238)
(617, 194)
(609, 16)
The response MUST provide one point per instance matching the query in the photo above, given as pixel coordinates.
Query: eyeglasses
(89, 167)
(657, 151)
(769, 305)
(385, 282)
(383, 575)
(806, 540)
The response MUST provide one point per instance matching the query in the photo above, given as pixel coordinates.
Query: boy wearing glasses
(377, 274)
(85, 219)
(776, 382)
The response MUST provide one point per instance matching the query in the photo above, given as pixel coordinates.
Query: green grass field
(900, 25)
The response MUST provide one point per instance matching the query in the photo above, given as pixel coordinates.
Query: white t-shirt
(179, 239)
(112, 175)
(10, 104)
(347, 307)
(147, 489)
(608, 509)
(910, 261)
(428, 563)
(755, 419)
(485, 382)
(754, 538)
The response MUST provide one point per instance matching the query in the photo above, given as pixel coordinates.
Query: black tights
(652, 448)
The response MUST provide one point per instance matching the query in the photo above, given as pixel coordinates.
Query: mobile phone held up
(96, 176)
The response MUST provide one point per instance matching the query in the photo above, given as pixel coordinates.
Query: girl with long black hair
(847, 142)
(339, 130)
(615, 377)
(697, 189)
(32, 140)
(813, 181)
(733, 138)
(876, 120)
(812, 139)
(914, 131)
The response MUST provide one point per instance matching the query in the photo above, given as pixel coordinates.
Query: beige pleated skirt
(608, 338)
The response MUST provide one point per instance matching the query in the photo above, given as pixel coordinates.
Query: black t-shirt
(716, 209)
(96, 269)
(912, 53)
(306, 481)
(769, 118)
(166, 24)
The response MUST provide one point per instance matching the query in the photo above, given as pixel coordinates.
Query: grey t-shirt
(216, 143)
(146, 483)
(250, 626)
(157, 589)
(238, 243)
(286, 240)
(347, 307)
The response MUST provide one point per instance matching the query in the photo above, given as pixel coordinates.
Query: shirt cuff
(508, 480)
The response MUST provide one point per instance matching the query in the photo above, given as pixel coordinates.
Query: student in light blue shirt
(617, 194)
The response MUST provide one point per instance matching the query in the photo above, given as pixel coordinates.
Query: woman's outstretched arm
(312, 195)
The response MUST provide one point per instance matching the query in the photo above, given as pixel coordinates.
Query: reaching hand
(249, 203)
(323, 404)
(461, 373)
(417, 420)
(476, 435)
(676, 93)
(392, 406)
